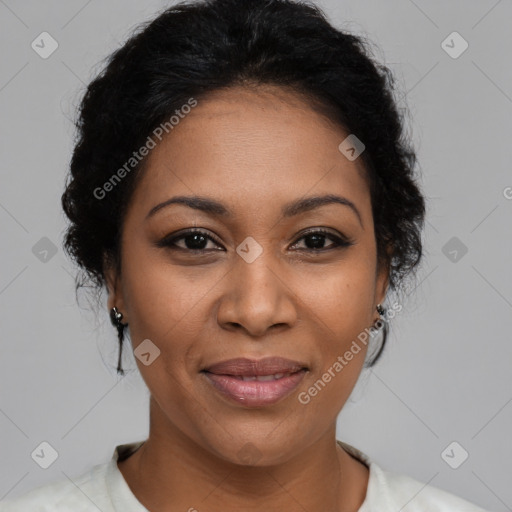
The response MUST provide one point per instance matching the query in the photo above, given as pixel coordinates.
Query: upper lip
(247, 367)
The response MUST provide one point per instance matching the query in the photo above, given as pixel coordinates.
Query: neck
(170, 471)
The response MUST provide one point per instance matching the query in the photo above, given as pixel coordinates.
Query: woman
(242, 187)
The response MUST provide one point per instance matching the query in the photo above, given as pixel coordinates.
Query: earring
(382, 327)
(115, 318)
(380, 322)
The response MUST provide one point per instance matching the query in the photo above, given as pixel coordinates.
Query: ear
(382, 280)
(382, 285)
(115, 296)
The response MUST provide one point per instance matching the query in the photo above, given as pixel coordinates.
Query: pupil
(317, 241)
(197, 241)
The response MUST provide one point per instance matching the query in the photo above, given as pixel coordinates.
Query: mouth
(255, 383)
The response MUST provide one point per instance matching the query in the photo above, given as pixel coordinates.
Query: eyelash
(169, 242)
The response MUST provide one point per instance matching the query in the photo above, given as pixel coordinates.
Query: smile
(255, 390)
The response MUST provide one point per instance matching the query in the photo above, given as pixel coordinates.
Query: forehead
(249, 148)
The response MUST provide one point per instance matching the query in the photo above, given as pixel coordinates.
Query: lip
(226, 377)
(249, 367)
(255, 393)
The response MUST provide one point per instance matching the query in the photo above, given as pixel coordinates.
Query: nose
(258, 298)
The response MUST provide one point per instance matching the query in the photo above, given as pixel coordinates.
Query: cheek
(341, 304)
(157, 294)
(340, 353)
(162, 305)
(167, 304)
(171, 304)
(343, 296)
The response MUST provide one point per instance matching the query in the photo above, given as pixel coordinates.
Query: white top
(104, 488)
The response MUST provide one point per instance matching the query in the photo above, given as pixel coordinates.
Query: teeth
(263, 378)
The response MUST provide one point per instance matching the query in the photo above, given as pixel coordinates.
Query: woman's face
(255, 283)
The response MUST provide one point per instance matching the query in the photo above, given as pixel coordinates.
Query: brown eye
(315, 240)
(193, 240)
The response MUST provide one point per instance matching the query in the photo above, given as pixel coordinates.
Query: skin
(254, 150)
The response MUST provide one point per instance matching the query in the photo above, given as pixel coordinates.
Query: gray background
(445, 375)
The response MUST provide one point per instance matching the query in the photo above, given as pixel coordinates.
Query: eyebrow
(215, 208)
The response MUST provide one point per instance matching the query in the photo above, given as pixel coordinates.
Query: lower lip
(255, 393)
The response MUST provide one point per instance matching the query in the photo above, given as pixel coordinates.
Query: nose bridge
(257, 298)
(255, 275)
(262, 272)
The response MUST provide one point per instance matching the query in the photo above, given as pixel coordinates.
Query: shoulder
(410, 495)
(85, 493)
(389, 491)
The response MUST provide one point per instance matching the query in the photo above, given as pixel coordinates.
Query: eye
(194, 240)
(315, 239)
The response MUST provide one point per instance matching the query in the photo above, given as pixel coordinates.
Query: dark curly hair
(194, 48)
